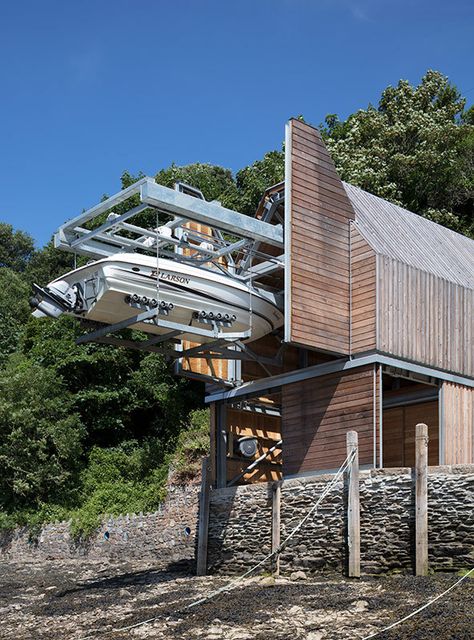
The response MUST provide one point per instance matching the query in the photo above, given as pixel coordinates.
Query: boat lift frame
(233, 248)
(107, 239)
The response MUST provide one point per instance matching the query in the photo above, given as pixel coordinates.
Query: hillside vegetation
(92, 429)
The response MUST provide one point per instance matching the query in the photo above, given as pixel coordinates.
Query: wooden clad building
(378, 335)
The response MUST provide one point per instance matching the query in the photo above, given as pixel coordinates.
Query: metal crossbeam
(104, 206)
(136, 345)
(209, 213)
(112, 328)
(110, 224)
(102, 241)
(165, 337)
(199, 350)
(216, 352)
(175, 330)
(264, 268)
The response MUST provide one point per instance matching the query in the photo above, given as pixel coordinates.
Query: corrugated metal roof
(412, 239)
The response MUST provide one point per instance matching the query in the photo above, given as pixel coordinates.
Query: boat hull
(189, 295)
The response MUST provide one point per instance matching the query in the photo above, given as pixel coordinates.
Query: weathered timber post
(203, 523)
(353, 507)
(221, 446)
(421, 500)
(276, 506)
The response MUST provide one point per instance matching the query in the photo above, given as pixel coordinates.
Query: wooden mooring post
(353, 507)
(203, 522)
(421, 500)
(276, 523)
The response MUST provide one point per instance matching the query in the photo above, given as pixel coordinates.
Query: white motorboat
(123, 285)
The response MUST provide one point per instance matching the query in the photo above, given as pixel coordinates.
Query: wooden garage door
(399, 425)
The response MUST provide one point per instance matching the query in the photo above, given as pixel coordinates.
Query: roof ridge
(409, 238)
(409, 211)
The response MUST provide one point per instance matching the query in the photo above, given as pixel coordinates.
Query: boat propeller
(54, 300)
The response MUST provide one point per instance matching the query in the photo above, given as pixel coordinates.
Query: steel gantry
(180, 225)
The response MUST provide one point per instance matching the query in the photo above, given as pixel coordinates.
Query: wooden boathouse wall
(317, 215)
(399, 425)
(227, 424)
(363, 292)
(361, 277)
(457, 420)
(424, 318)
(317, 413)
(267, 428)
(422, 283)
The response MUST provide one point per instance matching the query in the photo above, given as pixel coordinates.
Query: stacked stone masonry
(240, 523)
(241, 519)
(167, 537)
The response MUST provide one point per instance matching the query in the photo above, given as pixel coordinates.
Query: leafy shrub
(40, 437)
(127, 479)
(193, 444)
(117, 481)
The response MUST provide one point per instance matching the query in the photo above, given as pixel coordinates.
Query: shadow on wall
(241, 523)
(240, 520)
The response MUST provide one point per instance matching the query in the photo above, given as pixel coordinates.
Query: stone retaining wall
(241, 520)
(162, 537)
(240, 523)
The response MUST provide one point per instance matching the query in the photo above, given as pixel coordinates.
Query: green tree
(252, 181)
(120, 394)
(14, 311)
(40, 436)
(49, 263)
(96, 376)
(416, 149)
(161, 401)
(215, 182)
(16, 248)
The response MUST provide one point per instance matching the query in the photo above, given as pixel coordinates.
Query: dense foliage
(415, 149)
(94, 429)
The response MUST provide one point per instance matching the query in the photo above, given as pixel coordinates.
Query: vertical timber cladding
(316, 415)
(457, 424)
(424, 318)
(363, 294)
(317, 244)
(399, 426)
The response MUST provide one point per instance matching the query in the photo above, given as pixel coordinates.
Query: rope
(414, 613)
(278, 550)
(230, 585)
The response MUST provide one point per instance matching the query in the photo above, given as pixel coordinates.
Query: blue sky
(89, 89)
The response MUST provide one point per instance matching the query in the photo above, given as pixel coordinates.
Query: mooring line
(414, 613)
(278, 550)
(232, 583)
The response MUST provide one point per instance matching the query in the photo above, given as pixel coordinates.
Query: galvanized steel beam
(209, 213)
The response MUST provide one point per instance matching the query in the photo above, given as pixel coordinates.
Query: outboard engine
(53, 300)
